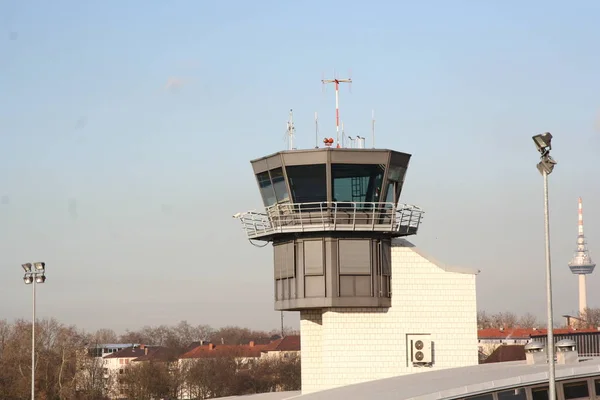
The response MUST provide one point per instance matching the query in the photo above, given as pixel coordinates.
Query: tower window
(357, 182)
(308, 183)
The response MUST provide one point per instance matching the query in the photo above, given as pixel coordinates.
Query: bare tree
(528, 321)
(237, 335)
(503, 320)
(590, 318)
(210, 377)
(148, 380)
(483, 320)
(104, 336)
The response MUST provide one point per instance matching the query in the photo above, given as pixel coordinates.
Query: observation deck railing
(332, 216)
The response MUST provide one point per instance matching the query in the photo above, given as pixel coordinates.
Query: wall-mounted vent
(420, 349)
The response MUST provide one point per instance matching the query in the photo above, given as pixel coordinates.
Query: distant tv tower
(582, 263)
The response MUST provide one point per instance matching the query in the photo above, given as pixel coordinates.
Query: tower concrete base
(342, 346)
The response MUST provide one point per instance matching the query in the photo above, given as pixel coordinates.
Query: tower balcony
(582, 269)
(360, 217)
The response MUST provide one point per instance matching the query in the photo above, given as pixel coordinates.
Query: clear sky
(126, 130)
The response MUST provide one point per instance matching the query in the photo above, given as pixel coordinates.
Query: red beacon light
(328, 141)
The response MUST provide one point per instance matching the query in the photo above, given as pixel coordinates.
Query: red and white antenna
(337, 103)
(580, 218)
(373, 127)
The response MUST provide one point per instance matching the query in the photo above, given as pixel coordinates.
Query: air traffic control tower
(372, 305)
(331, 215)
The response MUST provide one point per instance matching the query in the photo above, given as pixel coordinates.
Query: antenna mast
(337, 103)
(316, 131)
(342, 133)
(291, 130)
(373, 127)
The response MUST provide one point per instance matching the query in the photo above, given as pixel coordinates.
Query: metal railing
(332, 216)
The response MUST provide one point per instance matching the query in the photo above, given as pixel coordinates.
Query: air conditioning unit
(420, 349)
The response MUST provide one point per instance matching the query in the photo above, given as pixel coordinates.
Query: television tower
(582, 263)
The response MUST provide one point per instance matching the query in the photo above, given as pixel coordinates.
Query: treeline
(64, 370)
(180, 336)
(206, 378)
(589, 319)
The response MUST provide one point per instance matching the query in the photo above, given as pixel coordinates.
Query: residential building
(286, 347)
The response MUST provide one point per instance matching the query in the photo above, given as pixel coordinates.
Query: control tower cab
(331, 214)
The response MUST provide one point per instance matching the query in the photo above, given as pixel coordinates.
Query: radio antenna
(291, 131)
(373, 127)
(316, 131)
(337, 103)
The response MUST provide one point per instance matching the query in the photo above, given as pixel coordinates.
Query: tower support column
(582, 295)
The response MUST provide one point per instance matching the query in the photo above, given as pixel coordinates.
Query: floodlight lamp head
(40, 279)
(39, 266)
(26, 267)
(546, 166)
(27, 279)
(543, 142)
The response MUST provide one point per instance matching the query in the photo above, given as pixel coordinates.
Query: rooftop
(131, 352)
(455, 383)
(264, 396)
(217, 350)
(505, 354)
(525, 333)
(287, 343)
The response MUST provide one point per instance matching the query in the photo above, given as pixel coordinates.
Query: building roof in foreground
(264, 396)
(455, 383)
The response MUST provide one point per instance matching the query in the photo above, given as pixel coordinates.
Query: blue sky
(126, 130)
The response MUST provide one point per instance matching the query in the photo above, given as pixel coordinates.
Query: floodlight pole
(32, 274)
(546, 166)
(33, 344)
(550, 333)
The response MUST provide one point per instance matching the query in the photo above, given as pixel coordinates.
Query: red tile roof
(131, 352)
(163, 354)
(566, 331)
(523, 333)
(506, 353)
(219, 350)
(509, 333)
(288, 343)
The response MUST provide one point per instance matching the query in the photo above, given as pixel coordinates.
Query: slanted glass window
(308, 183)
(356, 182)
(281, 192)
(266, 188)
(539, 393)
(389, 197)
(576, 390)
(513, 394)
(396, 174)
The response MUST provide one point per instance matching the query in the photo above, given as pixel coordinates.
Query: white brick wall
(344, 346)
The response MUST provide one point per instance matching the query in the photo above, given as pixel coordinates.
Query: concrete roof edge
(448, 268)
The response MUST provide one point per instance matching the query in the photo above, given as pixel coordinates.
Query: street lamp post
(546, 166)
(34, 275)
